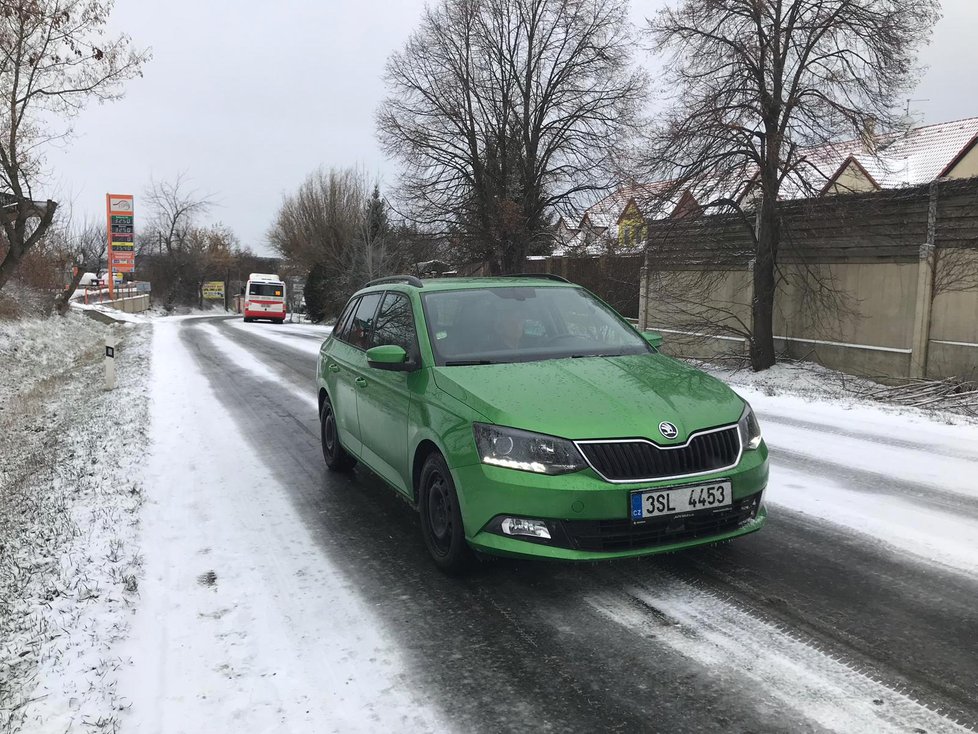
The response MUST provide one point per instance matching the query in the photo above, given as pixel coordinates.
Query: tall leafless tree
(174, 208)
(756, 84)
(169, 243)
(85, 249)
(54, 58)
(503, 110)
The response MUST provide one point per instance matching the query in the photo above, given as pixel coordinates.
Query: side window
(395, 324)
(362, 323)
(343, 322)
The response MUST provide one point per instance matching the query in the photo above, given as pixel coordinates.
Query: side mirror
(653, 337)
(389, 357)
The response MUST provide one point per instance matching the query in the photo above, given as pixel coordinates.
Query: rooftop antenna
(909, 122)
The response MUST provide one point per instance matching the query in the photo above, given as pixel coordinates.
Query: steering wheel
(554, 340)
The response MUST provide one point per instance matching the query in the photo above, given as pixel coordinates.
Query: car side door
(384, 399)
(343, 365)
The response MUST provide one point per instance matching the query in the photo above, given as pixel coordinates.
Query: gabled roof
(916, 157)
(959, 157)
(850, 161)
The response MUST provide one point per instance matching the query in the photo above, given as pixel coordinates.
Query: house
(949, 150)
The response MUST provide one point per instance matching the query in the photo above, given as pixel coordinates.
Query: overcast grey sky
(248, 97)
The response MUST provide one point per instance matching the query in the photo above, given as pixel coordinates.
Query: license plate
(649, 503)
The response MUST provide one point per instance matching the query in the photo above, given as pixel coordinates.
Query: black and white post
(110, 362)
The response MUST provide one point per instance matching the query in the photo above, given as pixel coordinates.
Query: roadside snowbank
(69, 489)
(244, 625)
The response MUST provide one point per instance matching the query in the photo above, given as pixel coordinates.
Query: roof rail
(543, 276)
(409, 279)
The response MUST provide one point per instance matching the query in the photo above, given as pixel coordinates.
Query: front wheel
(441, 518)
(337, 458)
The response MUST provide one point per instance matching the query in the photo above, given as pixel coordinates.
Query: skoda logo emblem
(668, 430)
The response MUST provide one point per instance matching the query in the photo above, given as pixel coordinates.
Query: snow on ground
(784, 668)
(69, 492)
(247, 360)
(898, 474)
(116, 314)
(244, 625)
(304, 337)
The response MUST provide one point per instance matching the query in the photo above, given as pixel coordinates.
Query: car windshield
(524, 324)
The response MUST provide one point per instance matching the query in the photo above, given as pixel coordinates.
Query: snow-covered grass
(69, 491)
(815, 384)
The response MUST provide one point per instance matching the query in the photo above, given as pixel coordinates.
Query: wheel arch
(425, 448)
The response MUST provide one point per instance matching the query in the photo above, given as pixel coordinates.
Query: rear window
(266, 290)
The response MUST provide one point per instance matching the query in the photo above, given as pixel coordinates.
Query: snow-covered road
(278, 597)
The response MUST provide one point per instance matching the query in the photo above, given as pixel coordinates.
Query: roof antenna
(908, 122)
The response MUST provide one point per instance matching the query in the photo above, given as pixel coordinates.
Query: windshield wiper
(468, 362)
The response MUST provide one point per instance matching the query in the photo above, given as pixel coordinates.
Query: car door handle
(333, 368)
(360, 382)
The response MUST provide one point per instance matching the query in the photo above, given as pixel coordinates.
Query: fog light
(520, 526)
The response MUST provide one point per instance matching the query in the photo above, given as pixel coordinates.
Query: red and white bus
(264, 298)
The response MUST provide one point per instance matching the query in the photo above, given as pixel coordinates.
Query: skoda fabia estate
(523, 417)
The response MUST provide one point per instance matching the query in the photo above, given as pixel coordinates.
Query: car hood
(595, 397)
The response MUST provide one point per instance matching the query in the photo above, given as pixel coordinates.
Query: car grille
(623, 535)
(623, 461)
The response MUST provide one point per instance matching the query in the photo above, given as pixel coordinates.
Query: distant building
(949, 150)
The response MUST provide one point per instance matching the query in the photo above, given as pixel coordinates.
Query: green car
(522, 416)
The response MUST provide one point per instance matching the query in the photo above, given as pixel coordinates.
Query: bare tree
(54, 58)
(174, 210)
(322, 219)
(322, 229)
(502, 110)
(756, 84)
(207, 254)
(85, 248)
(165, 247)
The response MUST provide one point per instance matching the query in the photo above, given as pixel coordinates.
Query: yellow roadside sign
(214, 290)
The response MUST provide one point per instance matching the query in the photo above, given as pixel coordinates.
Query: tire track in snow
(894, 441)
(729, 639)
(871, 482)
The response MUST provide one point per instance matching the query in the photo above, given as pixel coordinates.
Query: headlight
(515, 449)
(750, 431)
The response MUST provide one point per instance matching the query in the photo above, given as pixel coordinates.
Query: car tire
(337, 458)
(248, 320)
(441, 518)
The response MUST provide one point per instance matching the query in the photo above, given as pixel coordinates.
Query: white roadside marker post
(110, 362)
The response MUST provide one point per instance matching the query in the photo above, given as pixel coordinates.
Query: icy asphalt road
(855, 609)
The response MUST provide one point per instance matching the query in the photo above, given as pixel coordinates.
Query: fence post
(925, 293)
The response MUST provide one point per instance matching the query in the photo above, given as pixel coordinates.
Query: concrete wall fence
(883, 285)
(133, 304)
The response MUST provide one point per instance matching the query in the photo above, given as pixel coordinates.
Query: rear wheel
(441, 518)
(337, 458)
(248, 320)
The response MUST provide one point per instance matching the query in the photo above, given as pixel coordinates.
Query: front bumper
(589, 518)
